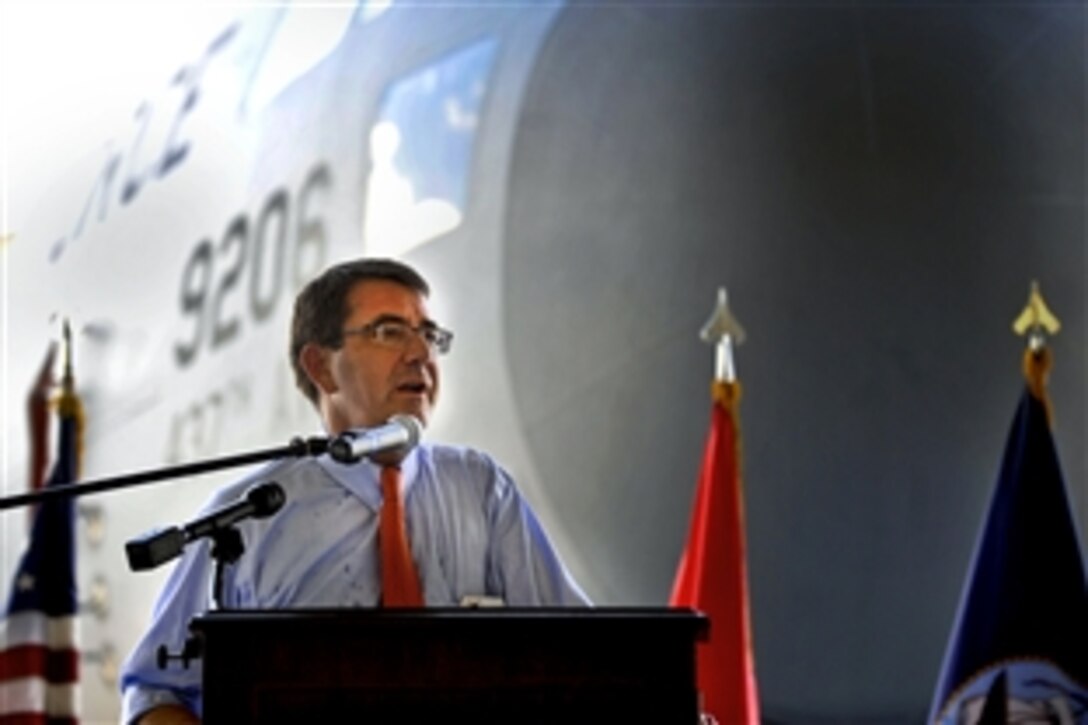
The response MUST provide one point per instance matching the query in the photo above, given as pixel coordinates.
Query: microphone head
(386, 444)
(267, 499)
(393, 456)
(413, 426)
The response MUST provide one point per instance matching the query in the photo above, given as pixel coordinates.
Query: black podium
(600, 665)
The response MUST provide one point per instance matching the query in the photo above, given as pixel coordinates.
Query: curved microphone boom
(393, 441)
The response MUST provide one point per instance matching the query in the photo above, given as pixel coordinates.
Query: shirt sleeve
(524, 566)
(186, 594)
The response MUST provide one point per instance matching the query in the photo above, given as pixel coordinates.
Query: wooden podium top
(564, 617)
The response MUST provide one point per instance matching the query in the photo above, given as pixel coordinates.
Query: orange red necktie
(400, 582)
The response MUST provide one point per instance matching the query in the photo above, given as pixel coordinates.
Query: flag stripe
(32, 695)
(32, 718)
(31, 627)
(56, 666)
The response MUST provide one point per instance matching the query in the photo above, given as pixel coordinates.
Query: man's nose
(418, 349)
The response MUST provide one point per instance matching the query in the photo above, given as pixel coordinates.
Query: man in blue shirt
(363, 349)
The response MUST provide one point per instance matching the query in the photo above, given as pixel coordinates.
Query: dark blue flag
(1024, 610)
(39, 657)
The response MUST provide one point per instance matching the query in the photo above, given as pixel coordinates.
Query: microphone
(160, 546)
(261, 501)
(394, 439)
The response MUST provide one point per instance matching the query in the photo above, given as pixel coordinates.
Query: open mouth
(412, 388)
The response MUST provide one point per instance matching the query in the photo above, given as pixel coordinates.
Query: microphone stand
(297, 448)
(227, 548)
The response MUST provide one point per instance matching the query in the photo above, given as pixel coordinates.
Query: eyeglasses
(397, 334)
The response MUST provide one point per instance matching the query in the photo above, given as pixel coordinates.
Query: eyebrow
(387, 317)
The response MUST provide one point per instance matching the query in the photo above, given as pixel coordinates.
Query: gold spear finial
(67, 400)
(1036, 321)
(68, 403)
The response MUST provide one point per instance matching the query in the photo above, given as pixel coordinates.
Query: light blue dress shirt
(471, 533)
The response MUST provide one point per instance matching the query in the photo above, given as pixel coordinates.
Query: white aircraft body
(292, 139)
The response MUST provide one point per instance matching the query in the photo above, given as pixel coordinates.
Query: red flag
(713, 576)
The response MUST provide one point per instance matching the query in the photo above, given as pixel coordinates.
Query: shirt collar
(363, 478)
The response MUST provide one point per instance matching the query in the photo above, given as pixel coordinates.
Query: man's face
(370, 381)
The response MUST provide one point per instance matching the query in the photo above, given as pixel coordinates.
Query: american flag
(39, 657)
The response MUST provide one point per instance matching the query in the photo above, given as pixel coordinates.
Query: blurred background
(876, 184)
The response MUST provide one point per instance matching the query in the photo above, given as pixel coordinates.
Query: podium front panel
(451, 665)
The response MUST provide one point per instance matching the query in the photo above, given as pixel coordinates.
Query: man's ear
(315, 361)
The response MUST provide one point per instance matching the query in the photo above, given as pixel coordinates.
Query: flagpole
(712, 575)
(1036, 322)
(1006, 639)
